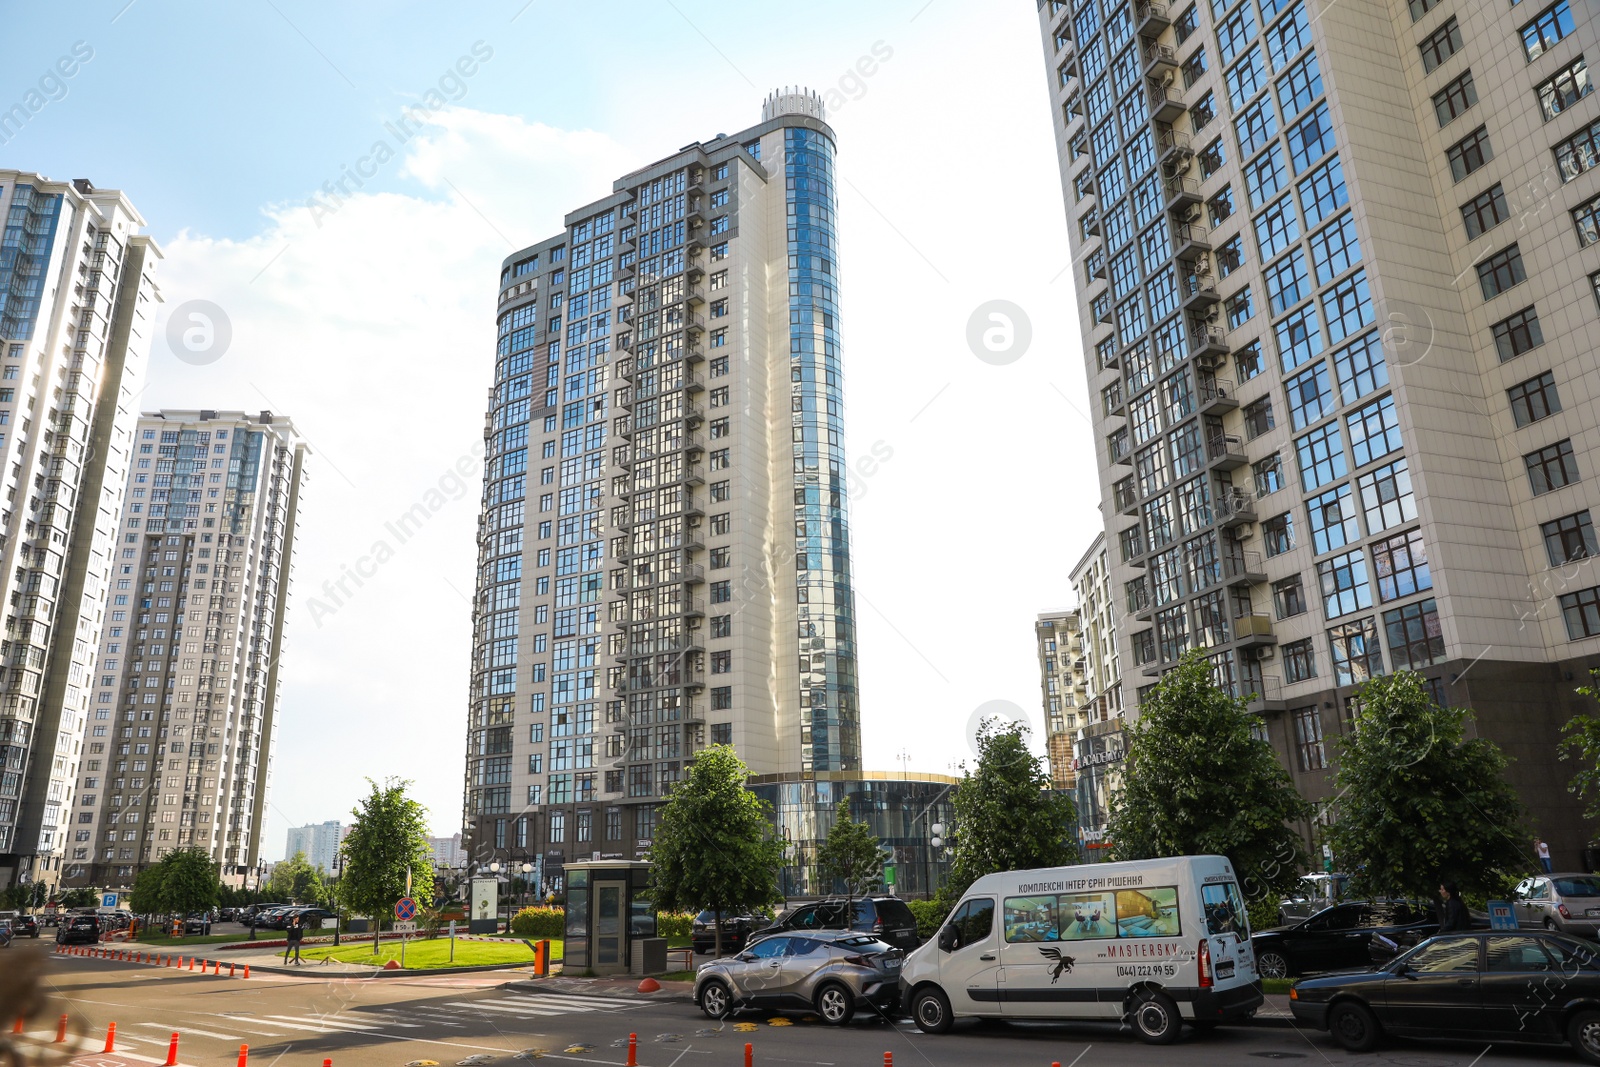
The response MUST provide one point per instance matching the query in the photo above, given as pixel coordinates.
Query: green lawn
(1276, 985)
(424, 953)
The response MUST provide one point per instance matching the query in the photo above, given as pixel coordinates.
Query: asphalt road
(300, 1021)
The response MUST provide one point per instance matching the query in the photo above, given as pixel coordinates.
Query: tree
(714, 845)
(147, 898)
(388, 842)
(1582, 744)
(296, 881)
(1197, 781)
(1006, 815)
(82, 897)
(1418, 802)
(189, 881)
(850, 854)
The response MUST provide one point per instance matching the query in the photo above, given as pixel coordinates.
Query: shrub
(1263, 911)
(929, 914)
(674, 923)
(540, 922)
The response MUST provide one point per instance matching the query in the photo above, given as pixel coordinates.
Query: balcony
(1166, 103)
(1119, 447)
(1173, 150)
(1263, 694)
(1183, 195)
(1151, 19)
(1200, 293)
(1216, 395)
(1190, 241)
(1208, 341)
(1160, 61)
(694, 607)
(1112, 403)
(692, 574)
(1225, 451)
(1138, 599)
(1253, 631)
(1111, 359)
(1235, 508)
(1243, 568)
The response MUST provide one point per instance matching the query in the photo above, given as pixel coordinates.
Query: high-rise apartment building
(1097, 746)
(1338, 268)
(319, 842)
(184, 697)
(77, 310)
(1063, 688)
(664, 545)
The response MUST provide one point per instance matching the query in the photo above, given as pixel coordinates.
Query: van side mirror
(948, 937)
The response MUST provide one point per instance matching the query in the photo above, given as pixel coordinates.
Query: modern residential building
(319, 842)
(664, 554)
(1097, 746)
(77, 309)
(185, 694)
(447, 851)
(1338, 268)
(1063, 688)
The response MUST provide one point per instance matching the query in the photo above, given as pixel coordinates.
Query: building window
(1569, 538)
(1534, 399)
(1308, 738)
(1374, 430)
(1517, 334)
(613, 817)
(1420, 8)
(1440, 45)
(1248, 360)
(1221, 206)
(1201, 114)
(721, 662)
(722, 626)
(1213, 157)
(1320, 454)
(1354, 650)
(1567, 87)
(1454, 99)
(1581, 612)
(1230, 255)
(1470, 153)
(720, 428)
(1546, 29)
(1344, 584)
(1579, 153)
(1551, 467)
(720, 557)
(1194, 67)
(1268, 475)
(1278, 534)
(1258, 417)
(1386, 497)
(719, 338)
(721, 592)
(722, 733)
(722, 698)
(720, 492)
(1401, 566)
(1299, 661)
(1586, 219)
(719, 367)
(1332, 520)
(1485, 211)
(1500, 272)
(1415, 640)
(1289, 596)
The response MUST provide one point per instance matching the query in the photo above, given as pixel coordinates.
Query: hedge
(674, 923)
(540, 922)
(930, 916)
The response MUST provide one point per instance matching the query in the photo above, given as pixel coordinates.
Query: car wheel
(1583, 1031)
(1354, 1027)
(1155, 1017)
(1272, 964)
(716, 1001)
(930, 1010)
(835, 1004)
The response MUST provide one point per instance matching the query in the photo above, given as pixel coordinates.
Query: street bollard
(244, 1055)
(327, 1063)
(230, 970)
(191, 963)
(111, 1038)
(749, 1055)
(633, 1050)
(247, 970)
(16, 1028)
(61, 1030)
(172, 1052)
(888, 1059)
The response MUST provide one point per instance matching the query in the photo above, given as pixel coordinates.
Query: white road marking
(185, 1030)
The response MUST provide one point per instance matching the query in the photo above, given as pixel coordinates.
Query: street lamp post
(936, 841)
(494, 869)
(527, 869)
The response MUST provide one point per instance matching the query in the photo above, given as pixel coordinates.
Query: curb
(318, 974)
(538, 986)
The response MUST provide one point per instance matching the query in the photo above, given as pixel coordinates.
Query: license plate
(1592, 912)
(1225, 969)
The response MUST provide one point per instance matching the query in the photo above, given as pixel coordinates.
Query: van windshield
(1225, 912)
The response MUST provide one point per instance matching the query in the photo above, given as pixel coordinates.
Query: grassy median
(425, 954)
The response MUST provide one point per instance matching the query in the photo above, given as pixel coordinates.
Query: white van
(1153, 942)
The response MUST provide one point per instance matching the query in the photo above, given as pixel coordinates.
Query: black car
(198, 923)
(1342, 937)
(736, 930)
(1481, 986)
(78, 928)
(24, 926)
(887, 918)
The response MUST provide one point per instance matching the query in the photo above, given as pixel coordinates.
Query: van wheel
(1155, 1017)
(835, 1004)
(930, 1010)
(1272, 964)
(1354, 1027)
(1583, 1032)
(716, 1001)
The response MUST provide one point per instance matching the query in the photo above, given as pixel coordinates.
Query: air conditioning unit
(1266, 652)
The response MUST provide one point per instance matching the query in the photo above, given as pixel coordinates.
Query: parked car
(736, 930)
(227, 915)
(1315, 892)
(885, 917)
(1566, 903)
(198, 923)
(311, 918)
(830, 972)
(1342, 936)
(22, 925)
(273, 918)
(81, 928)
(251, 915)
(1481, 986)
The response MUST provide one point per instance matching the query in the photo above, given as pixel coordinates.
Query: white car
(1154, 942)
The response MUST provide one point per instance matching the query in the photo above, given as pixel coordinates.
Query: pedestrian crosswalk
(454, 1014)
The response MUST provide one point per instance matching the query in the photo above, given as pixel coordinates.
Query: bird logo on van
(1063, 963)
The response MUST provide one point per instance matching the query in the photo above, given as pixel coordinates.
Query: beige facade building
(1338, 267)
(185, 693)
(1063, 685)
(77, 308)
(1097, 745)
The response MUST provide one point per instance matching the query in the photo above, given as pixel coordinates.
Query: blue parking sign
(1501, 917)
(108, 900)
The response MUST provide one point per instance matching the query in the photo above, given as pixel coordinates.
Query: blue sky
(373, 325)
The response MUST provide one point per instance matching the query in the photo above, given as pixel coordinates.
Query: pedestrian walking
(1544, 855)
(1452, 913)
(293, 932)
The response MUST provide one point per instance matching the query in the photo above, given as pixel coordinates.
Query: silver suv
(1569, 903)
(830, 972)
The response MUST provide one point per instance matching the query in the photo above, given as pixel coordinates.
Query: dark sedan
(25, 926)
(1481, 986)
(80, 928)
(736, 930)
(1341, 937)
